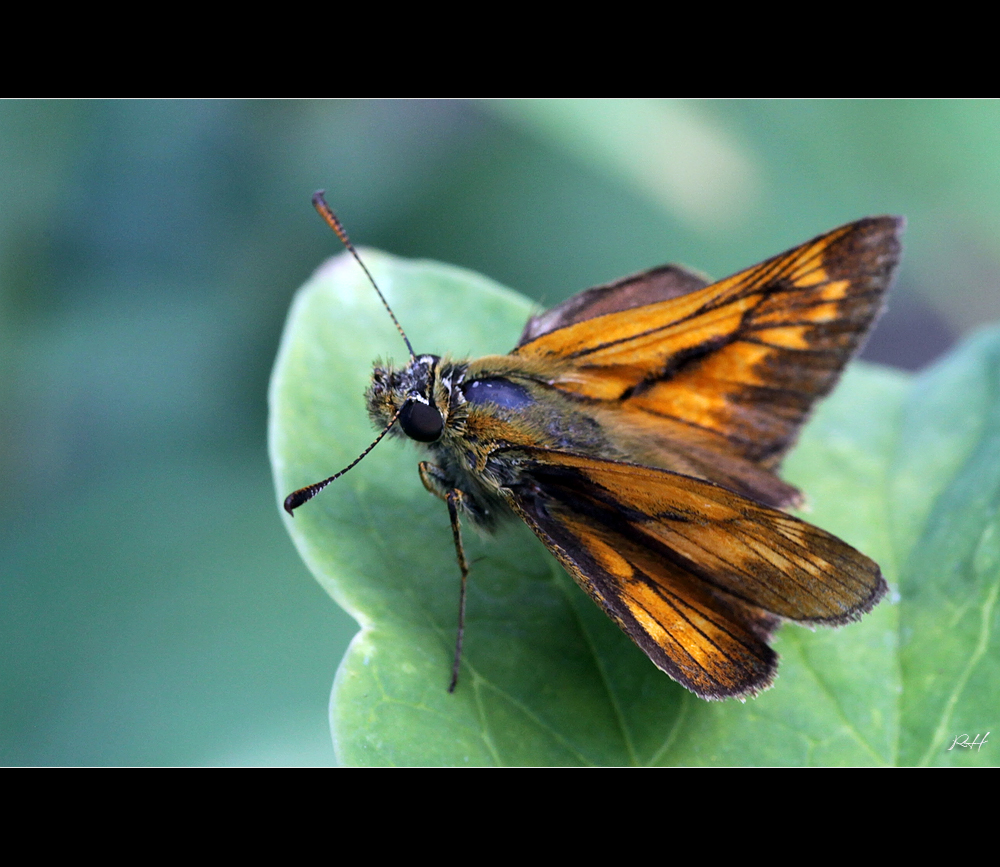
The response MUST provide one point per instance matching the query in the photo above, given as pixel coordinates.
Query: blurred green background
(153, 610)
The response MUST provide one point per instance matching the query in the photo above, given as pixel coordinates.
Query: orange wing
(697, 576)
(730, 369)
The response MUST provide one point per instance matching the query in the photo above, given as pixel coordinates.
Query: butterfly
(637, 429)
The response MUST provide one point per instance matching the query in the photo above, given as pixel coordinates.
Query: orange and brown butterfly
(637, 429)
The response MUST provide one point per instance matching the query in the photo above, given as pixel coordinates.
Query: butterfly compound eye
(421, 422)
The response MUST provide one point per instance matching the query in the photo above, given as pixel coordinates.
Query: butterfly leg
(436, 483)
(435, 480)
(454, 499)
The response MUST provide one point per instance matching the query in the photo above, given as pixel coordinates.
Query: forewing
(696, 575)
(637, 290)
(737, 364)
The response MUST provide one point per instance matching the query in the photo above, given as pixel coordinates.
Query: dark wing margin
(696, 575)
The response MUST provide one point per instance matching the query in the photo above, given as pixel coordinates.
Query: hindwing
(698, 576)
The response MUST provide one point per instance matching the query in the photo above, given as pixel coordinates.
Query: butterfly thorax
(472, 416)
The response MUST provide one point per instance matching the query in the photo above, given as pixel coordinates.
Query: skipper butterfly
(637, 429)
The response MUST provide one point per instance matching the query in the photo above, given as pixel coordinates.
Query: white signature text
(963, 741)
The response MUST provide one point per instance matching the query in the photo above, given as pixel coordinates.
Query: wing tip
(879, 588)
(743, 679)
(762, 676)
(751, 687)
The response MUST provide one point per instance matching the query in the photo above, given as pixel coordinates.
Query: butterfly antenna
(304, 495)
(319, 203)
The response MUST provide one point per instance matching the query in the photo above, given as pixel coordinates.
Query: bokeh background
(152, 609)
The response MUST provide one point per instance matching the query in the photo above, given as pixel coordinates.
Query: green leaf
(906, 469)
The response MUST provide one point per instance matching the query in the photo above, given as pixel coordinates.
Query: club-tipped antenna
(319, 203)
(304, 495)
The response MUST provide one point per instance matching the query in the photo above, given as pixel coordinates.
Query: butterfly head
(417, 392)
(417, 396)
